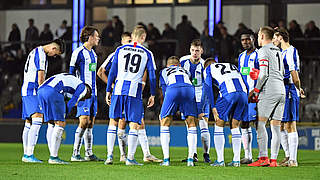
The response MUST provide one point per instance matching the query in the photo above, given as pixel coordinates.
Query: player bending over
(179, 94)
(231, 102)
(83, 65)
(270, 92)
(248, 62)
(289, 134)
(34, 75)
(128, 66)
(51, 99)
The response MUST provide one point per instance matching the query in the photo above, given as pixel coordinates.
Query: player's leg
(25, 133)
(219, 141)
(143, 139)
(165, 139)
(49, 133)
(284, 143)
(56, 142)
(122, 139)
(88, 134)
(133, 108)
(111, 138)
(192, 138)
(78, 138)
(37, 119)
(293, 138)
(205, 134)
(236, 143)
(293, 143)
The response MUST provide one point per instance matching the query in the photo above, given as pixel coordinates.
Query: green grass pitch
(11, 166)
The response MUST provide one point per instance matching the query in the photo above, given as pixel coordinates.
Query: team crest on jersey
(85, 109)
(92, 66)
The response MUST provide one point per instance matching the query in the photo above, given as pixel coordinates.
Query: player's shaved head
(209, 61)
(173, 60)
(138, 31)
(268, 32)
(283, 33)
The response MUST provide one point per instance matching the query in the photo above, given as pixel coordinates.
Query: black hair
(61, 44)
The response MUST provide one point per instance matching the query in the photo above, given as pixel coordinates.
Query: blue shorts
(130, 108)
(87, 107)
(30, 105)
(233, 105)
(52, 104)
(179, 97)
(252, 113)
(291, 108)
(203, 108)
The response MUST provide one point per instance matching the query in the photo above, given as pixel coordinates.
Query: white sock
(165, 140)
(284, 142)
(143, 139)
(250, 143)
(293, 145)
(56, 140)
(111, 138)
(275, 141)
(49, 134)
(219, 142)
(192, 141)
(122, 141)
(236, 143)
(262, 139)
(88, 141)
(33, 135)
(205, 135)
(77, 141)
(25, 134)
(132, 143)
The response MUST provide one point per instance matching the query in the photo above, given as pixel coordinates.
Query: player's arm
(162, 84)
(102, 74)
(151, 67)
(264, 67)
(208, 86)
(75, 58)
(41, 77)
(79, 93)
(111, 77)
(144, 79)
(105, 68)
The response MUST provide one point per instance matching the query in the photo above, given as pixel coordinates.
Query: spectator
(207, 44)
(294, 30)
(225, 46)
(32, 35)
(195, 32)
(153, 32)
(168, 32)
(273, 24)
(62, 29)
(205, 25)
(241, 29)
(46, 35)
(217, 27)
(312, 30)
(313, 109)
(282, 24)
(184, 35)
(15, 37)
(118, 29)
(107, 38)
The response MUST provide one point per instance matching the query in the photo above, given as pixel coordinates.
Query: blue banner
(309, 138)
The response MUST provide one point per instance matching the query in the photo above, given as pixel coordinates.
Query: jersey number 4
(135, 62)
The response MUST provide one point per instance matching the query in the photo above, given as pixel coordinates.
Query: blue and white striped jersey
(36, 61)
(67, 85)
(291, 62)
(226, 77)
(127, 69)
(245, 64)
(83, 65)
(107, 63)
(196, 72)
(173, 75)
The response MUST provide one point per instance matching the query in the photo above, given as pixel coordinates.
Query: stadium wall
(309, 137)
(41, 17)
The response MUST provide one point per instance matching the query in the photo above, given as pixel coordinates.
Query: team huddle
(265, 86)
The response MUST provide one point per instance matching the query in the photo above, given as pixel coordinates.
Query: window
(38, 2)
(143, 1)
(122, 2)
(164, 1)
(59, 1)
